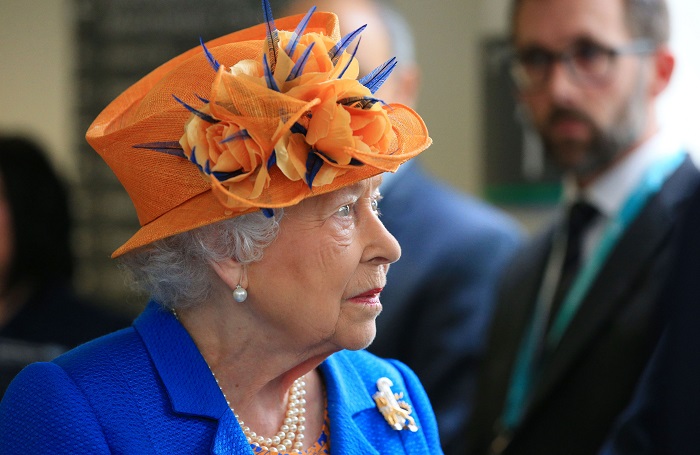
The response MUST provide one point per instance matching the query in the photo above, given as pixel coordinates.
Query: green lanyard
(524, 368)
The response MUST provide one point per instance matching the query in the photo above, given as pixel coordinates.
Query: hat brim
(205, 208)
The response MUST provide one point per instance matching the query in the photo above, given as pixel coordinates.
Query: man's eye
(374, 204)
(587, 52)
(535, 58)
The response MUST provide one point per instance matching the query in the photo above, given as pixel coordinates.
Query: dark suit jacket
(148, 390)
(592, 373)
(53, 320)
(664, 416)
(438, 297)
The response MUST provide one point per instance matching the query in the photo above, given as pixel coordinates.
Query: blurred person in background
(577, 318)
(41, 315)
(438, 298)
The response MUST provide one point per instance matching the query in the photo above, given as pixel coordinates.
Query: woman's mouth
(370, 297)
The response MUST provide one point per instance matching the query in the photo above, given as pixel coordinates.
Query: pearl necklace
(290, 437)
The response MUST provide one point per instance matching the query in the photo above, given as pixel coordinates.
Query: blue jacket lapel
(357, 426)
(347, 400)
(187, 378)
(229, 437)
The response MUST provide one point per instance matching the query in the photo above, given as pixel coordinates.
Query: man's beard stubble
(585, 159)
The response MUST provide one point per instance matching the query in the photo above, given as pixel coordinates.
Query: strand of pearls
(290, 437)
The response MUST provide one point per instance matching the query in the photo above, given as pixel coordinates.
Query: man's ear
(664, 64)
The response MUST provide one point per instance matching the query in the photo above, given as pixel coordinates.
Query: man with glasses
(577, 317)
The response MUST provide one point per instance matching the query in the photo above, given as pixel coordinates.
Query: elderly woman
(262, 248)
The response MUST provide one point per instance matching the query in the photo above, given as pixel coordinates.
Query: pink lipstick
(370, 297)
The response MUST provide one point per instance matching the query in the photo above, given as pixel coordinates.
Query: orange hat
(258, 119)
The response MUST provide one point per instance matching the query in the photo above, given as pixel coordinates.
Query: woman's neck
(254, 377)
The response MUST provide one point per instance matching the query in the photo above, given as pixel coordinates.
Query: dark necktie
(581, 214)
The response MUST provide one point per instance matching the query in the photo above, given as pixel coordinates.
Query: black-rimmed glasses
(587, 62)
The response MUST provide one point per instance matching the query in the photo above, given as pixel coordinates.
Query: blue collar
(184, 372)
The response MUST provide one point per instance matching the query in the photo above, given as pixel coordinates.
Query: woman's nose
(382, 246)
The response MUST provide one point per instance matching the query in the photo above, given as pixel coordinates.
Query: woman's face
(317, 287)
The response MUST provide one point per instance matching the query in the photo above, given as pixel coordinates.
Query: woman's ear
(229, 271)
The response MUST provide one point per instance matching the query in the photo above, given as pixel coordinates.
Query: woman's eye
(345, 210)
(374, 204)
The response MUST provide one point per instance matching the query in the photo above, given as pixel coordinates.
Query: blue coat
(147, 389)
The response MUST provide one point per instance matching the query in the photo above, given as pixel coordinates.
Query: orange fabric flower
(227, 151)
(308, 114)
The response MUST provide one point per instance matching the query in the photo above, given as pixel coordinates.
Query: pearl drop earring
(240, 294)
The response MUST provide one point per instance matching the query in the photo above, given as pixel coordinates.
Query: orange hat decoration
(258, 119)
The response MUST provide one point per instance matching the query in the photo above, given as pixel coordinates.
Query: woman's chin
(362, 339)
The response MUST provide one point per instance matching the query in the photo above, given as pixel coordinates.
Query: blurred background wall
(63, 60)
